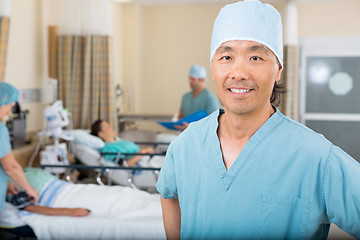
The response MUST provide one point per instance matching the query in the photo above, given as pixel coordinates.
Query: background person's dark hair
(96, 127)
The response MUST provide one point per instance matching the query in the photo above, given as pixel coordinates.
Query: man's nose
(240, 70)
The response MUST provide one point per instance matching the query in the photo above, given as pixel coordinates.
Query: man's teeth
(235, 90)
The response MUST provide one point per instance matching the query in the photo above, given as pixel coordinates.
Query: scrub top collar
(228, 176)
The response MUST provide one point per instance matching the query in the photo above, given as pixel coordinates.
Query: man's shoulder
(305, 135)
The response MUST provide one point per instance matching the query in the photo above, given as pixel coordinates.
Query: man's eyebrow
(260, 48)
(224, 48)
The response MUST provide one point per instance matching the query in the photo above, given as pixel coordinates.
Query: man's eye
(227, 58)
(255, 58)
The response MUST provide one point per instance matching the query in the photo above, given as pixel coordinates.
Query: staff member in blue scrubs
(247, 171)
(8, 165)
(199, 98)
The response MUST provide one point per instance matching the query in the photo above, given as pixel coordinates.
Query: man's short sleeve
(342, 191)
(4, 141)
(166, 184)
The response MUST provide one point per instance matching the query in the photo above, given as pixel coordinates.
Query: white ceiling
(187, 2)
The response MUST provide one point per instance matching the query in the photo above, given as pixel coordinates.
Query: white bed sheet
(116, 213)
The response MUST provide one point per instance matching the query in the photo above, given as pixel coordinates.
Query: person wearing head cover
(247, 171)
(199, 98)
(9, 167)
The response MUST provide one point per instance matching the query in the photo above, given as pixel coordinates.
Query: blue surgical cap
(249, 20)
(8, 93)
(197, 71)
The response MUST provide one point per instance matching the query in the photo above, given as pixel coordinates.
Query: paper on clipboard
(191, 118)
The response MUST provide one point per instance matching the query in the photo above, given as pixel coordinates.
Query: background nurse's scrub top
(287, 182)
(5, 149)
(204, 101)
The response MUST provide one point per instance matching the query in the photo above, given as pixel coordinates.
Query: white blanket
(116, 213)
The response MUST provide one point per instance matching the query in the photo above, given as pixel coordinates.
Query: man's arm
(181, 127)
(181, 115)
(171, 217)
(13, 169)
(11, 189)
(133, 160)
(72, 212)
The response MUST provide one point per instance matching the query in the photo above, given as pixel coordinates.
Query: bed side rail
(103, 170)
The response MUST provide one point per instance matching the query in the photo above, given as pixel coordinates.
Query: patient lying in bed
(88, 149)
(116, 212)
(105, 131)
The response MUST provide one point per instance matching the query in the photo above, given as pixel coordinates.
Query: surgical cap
(249, 20)
(8, 93)
(197, 71)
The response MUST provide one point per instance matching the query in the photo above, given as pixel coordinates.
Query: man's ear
(278, 76)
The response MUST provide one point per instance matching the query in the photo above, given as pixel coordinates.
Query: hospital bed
(122, 213)
(86, 151)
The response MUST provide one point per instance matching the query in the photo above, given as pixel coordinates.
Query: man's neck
(235, 130)
(196, 92)
(243, 126)
(109, 140)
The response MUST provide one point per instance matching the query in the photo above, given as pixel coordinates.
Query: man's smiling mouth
(239, 91)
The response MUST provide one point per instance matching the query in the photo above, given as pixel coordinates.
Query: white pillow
(85, 138)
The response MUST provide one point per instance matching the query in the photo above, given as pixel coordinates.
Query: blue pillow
(85, 138)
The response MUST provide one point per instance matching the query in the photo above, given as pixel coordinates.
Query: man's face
(195, 83)
(6, 110)
(244, 73)
(107, 131)
(9, 107)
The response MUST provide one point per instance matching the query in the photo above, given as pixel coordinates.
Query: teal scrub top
(121, 146)
(5, 149)
(288, 182)
(204, 101)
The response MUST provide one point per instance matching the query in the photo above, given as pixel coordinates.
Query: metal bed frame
(105, 169)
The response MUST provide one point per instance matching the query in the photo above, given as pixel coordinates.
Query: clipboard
(189, 119)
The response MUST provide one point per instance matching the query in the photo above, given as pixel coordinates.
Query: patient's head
(103, 130)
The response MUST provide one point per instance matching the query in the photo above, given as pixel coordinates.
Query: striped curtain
(85, 79)
(290, 101)
(4, 34)
(290, 78)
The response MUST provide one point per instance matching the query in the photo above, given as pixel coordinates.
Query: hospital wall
(171, 38)
(154, 47)
(24, 55)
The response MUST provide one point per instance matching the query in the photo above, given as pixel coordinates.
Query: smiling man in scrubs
(247, 171)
